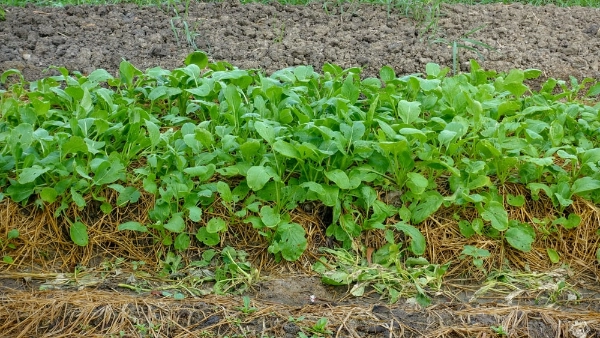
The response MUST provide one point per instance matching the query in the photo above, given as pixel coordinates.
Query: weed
(464, 42)
(246, 308)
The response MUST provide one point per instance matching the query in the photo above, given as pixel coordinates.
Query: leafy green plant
(247, 308)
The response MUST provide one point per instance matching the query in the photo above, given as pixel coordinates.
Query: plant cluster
(209, 136)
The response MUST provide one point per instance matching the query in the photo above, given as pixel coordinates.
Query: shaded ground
(559, 41)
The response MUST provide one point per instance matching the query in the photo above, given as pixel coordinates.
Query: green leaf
(224, 191)
(429, 203)
(409, 111)
(182, 241)
(77, 198)
(28, 175)
(79, 235)
(195, 213)
(74, 145)
(585, 184)
(20, 192)
(153, 133)
(516, 201)
(258, 176)
(265, 131)
(49, 195)
(216, 225)
(286, 149)
(12, 234)
(494, 212)
(128, 195)
(6, 258)
(176, 224)
(339, 178)
(571, 222)
(387, 74)
(109, 172)
(133, 226)
(417, 183)
(553, 255)
(269, 216)
(203, 172)
(208, 238)
(520, 236)
(417, 243)
(197, 58)
(289, 239)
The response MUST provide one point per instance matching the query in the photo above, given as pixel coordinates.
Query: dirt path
(559, 41)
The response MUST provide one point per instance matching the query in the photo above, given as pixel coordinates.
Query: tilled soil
(562, 42)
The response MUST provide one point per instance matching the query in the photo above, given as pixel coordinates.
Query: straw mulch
(104, 314)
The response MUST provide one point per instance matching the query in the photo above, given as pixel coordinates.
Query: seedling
(246, 308)
(464, 42)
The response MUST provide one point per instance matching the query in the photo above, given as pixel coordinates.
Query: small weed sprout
(464, 42)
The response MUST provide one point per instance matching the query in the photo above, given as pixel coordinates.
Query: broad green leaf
(289, 240)
(75, 144)
(429, 203)
(30, 174)
(133, 226)
(224, 191)
(553, 255)
(417, 183)
(349, 90)
(128, 195)
(520, 236)
(197, 58)
(339, 178)
(208, 238)
(109, 172)
(387, 74)
(163, 92)
(203, 172)
(571, 222)
(176, 224)
(77, 198)
(216, 225)
(12, 234)
(585, 184)
(409, 111)
(195, 213)
(258, 176)
(466, 229)
(494, 212)
(250, 148)
(516, 201)
(265, 131)
(9, 260)
(286, 149)
(20, 192)
(417, 243)
(269, 216)
(182, 242)
(79, 234)
(153, 133)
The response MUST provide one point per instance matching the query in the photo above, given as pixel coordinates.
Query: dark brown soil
(562, 42)
(559, 41)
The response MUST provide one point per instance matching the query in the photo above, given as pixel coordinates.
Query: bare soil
(562, 42)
